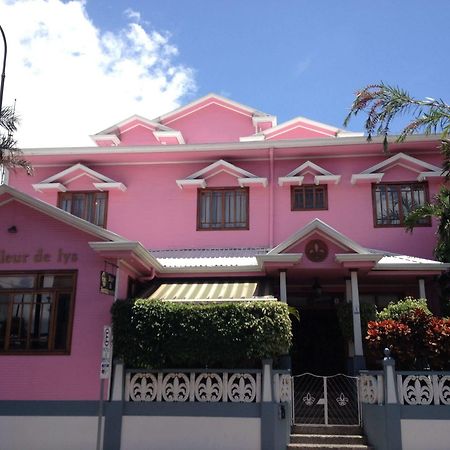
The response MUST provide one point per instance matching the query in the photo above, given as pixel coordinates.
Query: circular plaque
(316, 250)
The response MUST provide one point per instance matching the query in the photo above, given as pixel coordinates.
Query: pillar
(358, 359)
(283, 287)
(422, 293)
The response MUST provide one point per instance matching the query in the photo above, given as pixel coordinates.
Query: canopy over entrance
(212, 291)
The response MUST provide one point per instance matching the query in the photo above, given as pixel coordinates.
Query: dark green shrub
(156, 334)
(368, 312)
(403, 308)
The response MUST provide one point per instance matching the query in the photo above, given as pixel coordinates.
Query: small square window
(309, 197)
(90, 206)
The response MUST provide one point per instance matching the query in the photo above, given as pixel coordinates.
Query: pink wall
(213, 124)
(155, 211)
(53, 377)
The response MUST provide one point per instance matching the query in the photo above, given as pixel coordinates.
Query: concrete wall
(425, 434)
(200, 433)
(47, 433)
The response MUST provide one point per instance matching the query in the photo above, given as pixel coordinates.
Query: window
(393, 202)
(308, 197)
(222, 209)
(36, 312)
(90, 206)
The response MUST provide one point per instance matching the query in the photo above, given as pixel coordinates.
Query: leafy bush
(417, 339)
(397, 310)
(439, 343)
(156, 334)
(368, 312)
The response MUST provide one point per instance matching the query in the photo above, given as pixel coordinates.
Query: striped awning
(212, 292)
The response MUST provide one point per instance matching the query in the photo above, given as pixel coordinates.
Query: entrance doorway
(318, 344)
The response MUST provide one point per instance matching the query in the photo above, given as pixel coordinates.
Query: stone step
(327, 429)
(328, 439)
(329, 446)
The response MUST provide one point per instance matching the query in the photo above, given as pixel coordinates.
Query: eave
(227, 146)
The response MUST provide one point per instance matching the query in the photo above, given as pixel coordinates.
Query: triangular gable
(137, 130)
(9, 194)
(61, 180)
(205, 101)
(244, 178)
(321, 175)
(375, 173)
(317, 226)
(300, 128)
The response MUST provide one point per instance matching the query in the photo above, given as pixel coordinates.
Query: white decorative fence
(424, 388)
(202, 386)
(413, 388)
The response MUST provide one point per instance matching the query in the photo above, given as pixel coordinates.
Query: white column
(422, 293)
(348, 299)
(348, 290)
(283, 289)
(357, 335)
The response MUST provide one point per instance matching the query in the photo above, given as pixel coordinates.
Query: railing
(423, 388)
(419, 388)
(203, 386)
(371, 387)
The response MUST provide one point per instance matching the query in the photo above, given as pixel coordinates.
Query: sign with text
(38, 256)
(107, 283)
(105, 366)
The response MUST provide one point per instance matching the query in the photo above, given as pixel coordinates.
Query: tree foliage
(11, 157)
(383, 103)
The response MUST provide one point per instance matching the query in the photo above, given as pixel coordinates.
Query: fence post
(390, 388)
(114, 410)
(392, 416)
(268, 416)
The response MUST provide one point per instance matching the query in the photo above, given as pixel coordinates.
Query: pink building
(213, 201)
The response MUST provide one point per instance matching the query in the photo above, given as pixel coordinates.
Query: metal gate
(332, 400)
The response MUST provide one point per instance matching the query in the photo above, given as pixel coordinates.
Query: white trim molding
(100, 181)
(373, 174)
(199, 178)
(321, 175)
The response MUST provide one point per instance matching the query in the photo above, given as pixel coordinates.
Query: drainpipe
(271, 187)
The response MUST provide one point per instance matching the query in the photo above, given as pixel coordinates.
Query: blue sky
(284, 57)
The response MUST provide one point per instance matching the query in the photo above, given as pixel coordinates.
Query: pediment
(321, 243)
(137, 130)
(320, 175)
(421, 170)
(201, 177)
(78, 173)
(206, 101)
(317, 229)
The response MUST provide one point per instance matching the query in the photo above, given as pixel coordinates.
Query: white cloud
(72, 79)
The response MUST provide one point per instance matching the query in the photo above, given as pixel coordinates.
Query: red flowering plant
(393, 335)
(439, 343)
(416, 339)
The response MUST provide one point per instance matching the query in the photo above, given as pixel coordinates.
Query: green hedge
(156, 334)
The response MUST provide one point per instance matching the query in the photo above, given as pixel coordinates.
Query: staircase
(328, 437)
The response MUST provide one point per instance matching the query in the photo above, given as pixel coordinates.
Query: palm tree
(383, 103)
(10, 156)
